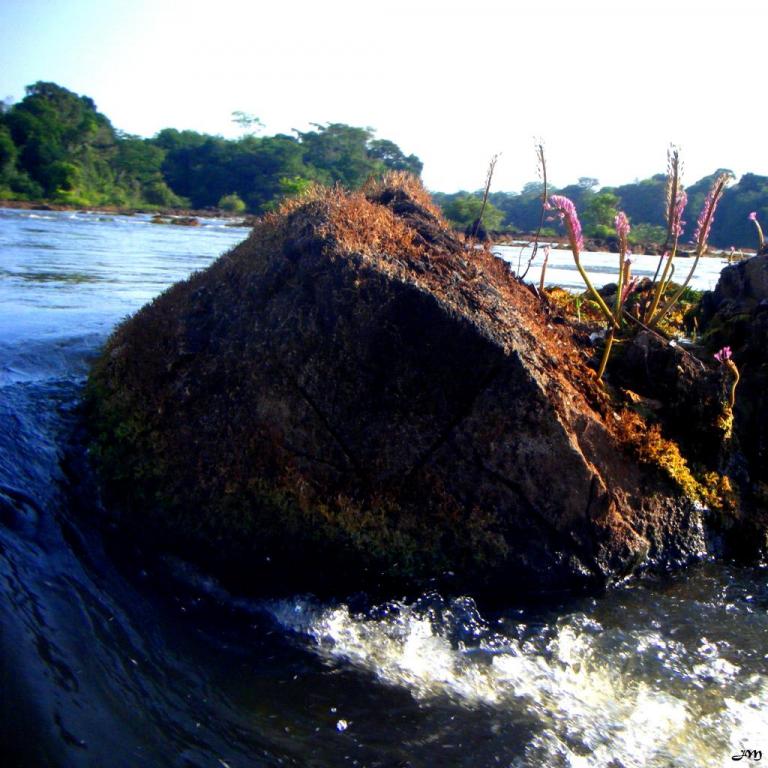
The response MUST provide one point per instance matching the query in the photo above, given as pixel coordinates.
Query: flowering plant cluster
(566, 210)
(700, 239)
(657, 308)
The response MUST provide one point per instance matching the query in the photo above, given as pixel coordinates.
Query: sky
(605, 84)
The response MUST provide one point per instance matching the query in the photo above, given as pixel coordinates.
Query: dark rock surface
(735, 314)
(350, 400)
(688, 395)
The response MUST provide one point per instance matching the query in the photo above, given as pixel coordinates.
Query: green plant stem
(597, 297)
(671, 303)
(488, 179)
(661, 285)
(543, 164)
(543, 271)
(735, 371)
(606, 353)
(713, 198)
(616, 312)
(619, 287)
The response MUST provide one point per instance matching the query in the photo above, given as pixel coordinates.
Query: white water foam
(641, 701)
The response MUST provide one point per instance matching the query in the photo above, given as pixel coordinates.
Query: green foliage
(643, 201)
(599, 215)
(248, 122)
(464, 210)
(340, 153)
(63, 143)
(520, 211)
(295, 186)
(588, 183)
(55, 145)
(8, 154)
(388, 153)
(263, 170)
(731, 226)
(232, 203)
(7, 150)
(647, 233)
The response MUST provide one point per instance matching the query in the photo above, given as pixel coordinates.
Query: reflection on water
(109, 657)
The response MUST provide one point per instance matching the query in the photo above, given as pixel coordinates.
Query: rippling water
(114, 658)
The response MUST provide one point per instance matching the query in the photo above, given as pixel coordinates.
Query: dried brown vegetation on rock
(350, 399)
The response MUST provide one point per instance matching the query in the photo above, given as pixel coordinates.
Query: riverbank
(245, 220)
(516, 239)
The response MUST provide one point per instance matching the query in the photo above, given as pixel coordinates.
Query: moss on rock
(352, 400)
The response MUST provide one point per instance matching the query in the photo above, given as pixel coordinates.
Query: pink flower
(707, 215)
(622, 225)
(676, 196)
(723, 355)
(567, 212)
(677, 214)
(753, 216)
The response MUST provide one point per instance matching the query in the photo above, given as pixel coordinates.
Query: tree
(8, 152)
(732, 225)
(139, 170)
(340, 153)
(249, 123)
(349, 156)
(599, 214)
(64, 144)
(533, 188)
(171, 139)
(231, 203)
(463, 210)
(393, 157)
(644, 201)
(588, 182)
(54, 144)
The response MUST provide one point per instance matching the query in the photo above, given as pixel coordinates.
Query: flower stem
(735, 371)
(606, 353)
(595, 295)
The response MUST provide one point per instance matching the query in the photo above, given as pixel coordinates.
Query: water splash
(600, 695)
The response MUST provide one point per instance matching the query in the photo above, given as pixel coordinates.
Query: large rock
(686, 395)
(741, 288)
(351, 400)
(735, 314)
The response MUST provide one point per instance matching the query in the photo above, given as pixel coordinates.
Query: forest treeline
(644, 202)
(55, 146)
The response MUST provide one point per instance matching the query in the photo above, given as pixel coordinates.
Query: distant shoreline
(591, 245)
(247, 220)
(206, 213)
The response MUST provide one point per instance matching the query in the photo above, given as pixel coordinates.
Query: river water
(112, 659)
